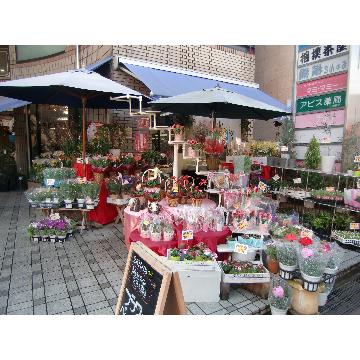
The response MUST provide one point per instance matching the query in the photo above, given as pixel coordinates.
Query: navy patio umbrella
(75, 88)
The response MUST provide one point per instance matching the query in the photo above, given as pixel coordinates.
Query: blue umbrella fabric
(69, 88)
(218, 102)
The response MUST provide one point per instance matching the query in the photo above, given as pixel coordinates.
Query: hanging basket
(212, 162)
(98, 177)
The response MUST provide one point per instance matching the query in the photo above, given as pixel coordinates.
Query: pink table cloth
(132, 219)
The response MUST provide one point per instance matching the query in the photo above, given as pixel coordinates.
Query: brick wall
(57, 63)
(214, 60)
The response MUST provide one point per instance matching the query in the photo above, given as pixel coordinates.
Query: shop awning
(97, 64)
(7, 104)
(165, 83)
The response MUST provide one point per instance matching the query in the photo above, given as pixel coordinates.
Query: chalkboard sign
(149, 286)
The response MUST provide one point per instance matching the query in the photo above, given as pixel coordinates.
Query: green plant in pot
(279, 296)
(312, 156)
(67, 191)
(272, 260)
(91, 192)
(151, 157)
(286, 254)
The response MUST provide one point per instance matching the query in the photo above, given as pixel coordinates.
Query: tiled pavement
(81, 276)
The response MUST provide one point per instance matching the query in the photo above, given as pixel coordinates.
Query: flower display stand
(199, 283)
(303, 302)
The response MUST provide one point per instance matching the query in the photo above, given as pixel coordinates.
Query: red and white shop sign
(321, 86)
(141, 142)
(143, 123)
(320, 119)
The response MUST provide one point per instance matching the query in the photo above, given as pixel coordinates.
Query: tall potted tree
(312, 156)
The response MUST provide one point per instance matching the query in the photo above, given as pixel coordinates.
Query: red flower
(305, 241)
(290, 237)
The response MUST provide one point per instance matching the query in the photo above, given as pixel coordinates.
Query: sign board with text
(320, 52)
(316, 120)
(321, 102)
(324, 68)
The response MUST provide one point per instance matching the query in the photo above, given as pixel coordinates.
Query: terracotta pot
(212, 162)
(273, 266)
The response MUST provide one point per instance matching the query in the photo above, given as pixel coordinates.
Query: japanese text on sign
(354, 226)
(328, 67)
(321, 102)
(320, 52)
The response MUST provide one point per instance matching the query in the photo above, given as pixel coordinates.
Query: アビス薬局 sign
(324, 68)
(331, 118)
(320, 52)
(321, 86)
(321, 102)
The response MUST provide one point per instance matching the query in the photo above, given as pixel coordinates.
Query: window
(4, 61)
(32, 52)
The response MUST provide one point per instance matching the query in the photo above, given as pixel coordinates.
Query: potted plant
(128, 163)
(99, 165)
(175, 254)
(279, 296)
(152, 196)
(34, 231)
(197, 196)
(312, 156)
(151, 157)
(91, 192)
(168, 232)
(155, 231)
(194, 148)
(213, 148)
(172, 198)
(286, 253)
(114, 187)
(335, 256)
(145, 228)
(178, 132)
(68, 194)
(264, 221)
(312, 262)
(272, 260)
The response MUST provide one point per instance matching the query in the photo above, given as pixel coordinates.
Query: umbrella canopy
(68, 89)
(220, 103)
(74, 88)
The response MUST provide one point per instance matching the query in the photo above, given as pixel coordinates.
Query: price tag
(262, 186)
(357, 159)
(187, 235)
(241, 249)
(297, 181)
(284, 148)
(50, 182)
(330, 188)
(307, 233)
(354, 226)
(276, 177)
(243, 225)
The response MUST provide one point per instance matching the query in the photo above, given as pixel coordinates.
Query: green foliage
(314, 181)
(312, 156)
(287, 137)
(342, 221)
(271, 252)
(7, 162)
(322, 222)
(151, 157)
(71, 147)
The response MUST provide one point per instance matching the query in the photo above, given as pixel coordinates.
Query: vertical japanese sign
(141, 142)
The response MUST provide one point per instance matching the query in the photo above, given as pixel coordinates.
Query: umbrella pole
(214, 120)
(83, 100)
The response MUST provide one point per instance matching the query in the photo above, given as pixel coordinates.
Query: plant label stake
(297, 181)
(354, 226)
(276, 177)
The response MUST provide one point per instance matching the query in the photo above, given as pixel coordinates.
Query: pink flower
(278, 292)
(306, 253)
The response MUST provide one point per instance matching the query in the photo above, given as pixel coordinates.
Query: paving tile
(17, 298)
(103, 311)
(96, 306)
(93, 297)
(16, 307)
(109, 293)
(2, 310)
(195, 309)
(77, 301)
(4, 292)
(235, 297)
(40, 310)
(80, 311)
(55, 289)
(38, 293)
(58, 306)
(105, 285)
(221, 312)
(39, 301)
(209, 307)
(74, 292)
(90, 289)
(3, 301)
(86, 282)
(28, 311)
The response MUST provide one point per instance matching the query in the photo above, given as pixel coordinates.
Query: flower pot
(264, 228)
(311, 283)
(61, 238)
(327, 163)
(68, 204)
(192, 152)
(52, 238)
(36, 238)
(98, 177)
(175, 258)
(330, 271)
(168, 236)
(179, 137)
(276, 311)
(286, 271)
(172, 202)
(212, 162)
(196, 202)
(90, 206)
(272, 265)
(80, 203)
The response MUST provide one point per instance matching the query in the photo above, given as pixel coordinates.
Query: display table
(132, 218)
(82, 171)
(104, 213)
(120, 206)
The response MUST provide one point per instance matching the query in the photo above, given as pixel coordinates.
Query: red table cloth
(80, 171)
(104, 213)
(266, 172)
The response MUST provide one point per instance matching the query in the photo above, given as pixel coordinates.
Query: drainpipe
(77, 56)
